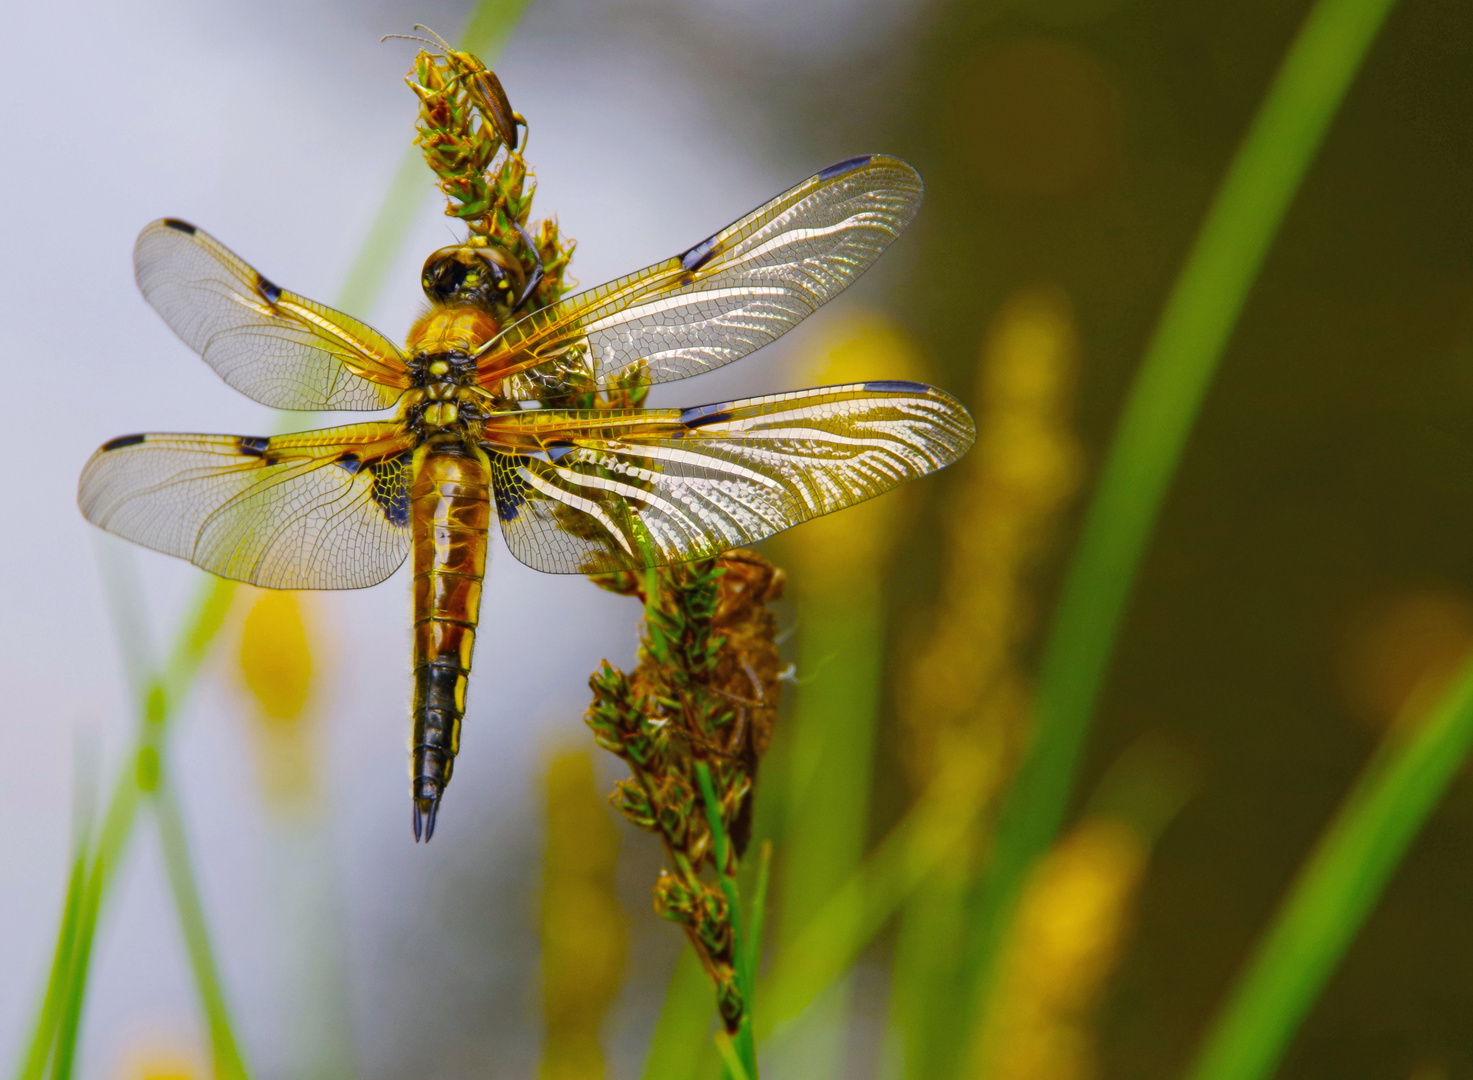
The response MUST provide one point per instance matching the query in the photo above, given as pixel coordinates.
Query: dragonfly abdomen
(450, 512)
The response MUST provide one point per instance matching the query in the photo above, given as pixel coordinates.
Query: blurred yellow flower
(161, 1058)
(583, 924)
(1072, 920)
(963, 684)
(275, 668)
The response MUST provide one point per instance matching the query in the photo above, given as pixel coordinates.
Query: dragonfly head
(487, 277)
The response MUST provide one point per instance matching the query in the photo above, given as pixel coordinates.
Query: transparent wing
(274, 346)
(318, 510)
(587, 492)
(730, 294)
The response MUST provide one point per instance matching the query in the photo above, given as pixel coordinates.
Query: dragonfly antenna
(438, 43)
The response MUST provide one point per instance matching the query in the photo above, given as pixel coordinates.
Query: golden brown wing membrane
(730, 294)
(627, 489)
(272, 345)
(317, 510)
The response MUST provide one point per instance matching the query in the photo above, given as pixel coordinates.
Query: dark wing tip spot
(253, 445)
(700, 255)
(182, 226)
(897, 386)
(122, 441)
(271, 292)
(701, 415)
(839, 168)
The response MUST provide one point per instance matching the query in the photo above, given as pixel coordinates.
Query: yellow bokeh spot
(276, 671)
(160, 1059)
(276, 656)
(584, 937)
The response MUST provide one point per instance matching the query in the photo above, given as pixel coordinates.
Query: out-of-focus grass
(54, 1038)
(1337, 887)
(51, 1049)
(1163, 404)
(677, 1048)
(963, 697)
(838, 567)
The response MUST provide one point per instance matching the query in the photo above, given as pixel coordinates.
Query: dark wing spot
(897, 386)
(271, 292)
(122, 441)
(508, 502)
(699, 255)
(182, 226)
(701, 415)
(391, 488)
(253, 445)
(839, 168)
(351, 462)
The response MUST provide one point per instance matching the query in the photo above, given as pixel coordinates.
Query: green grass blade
(1337, 888)
(751, 957)
(745, 1047)
(38, 1051)
(117, 829)
(736, 1068)
(682, 1034)
(1178, 367)
(228, 1064)
(819, 953)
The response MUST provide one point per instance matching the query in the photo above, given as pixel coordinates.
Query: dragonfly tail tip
(425, 811)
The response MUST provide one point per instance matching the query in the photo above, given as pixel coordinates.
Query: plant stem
(1178, 367)
(681, 1033)
(751, 956)
(745, 1047)
(177, 863)
(1336, 889)
(38, 1051)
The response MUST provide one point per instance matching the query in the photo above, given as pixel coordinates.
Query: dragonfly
(478, 433)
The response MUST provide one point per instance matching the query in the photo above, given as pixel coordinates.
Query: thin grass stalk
(681, 1037)
(825, 946)
(1183, 355)
(139, 769)
(751, 956)
(731, 1058)
(38, 1050)
(1337, 888)
(746, 1049)
(228, 1064)
(680, 1048)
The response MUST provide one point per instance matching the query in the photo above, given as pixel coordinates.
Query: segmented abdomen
(450, 512)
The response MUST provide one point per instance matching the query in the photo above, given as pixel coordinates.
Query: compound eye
(444, 274)
(484, 275)
(506, 274)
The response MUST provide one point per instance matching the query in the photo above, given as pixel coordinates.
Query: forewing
(317, 510)
(272, 345)
(730, 294)
(632, 488)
